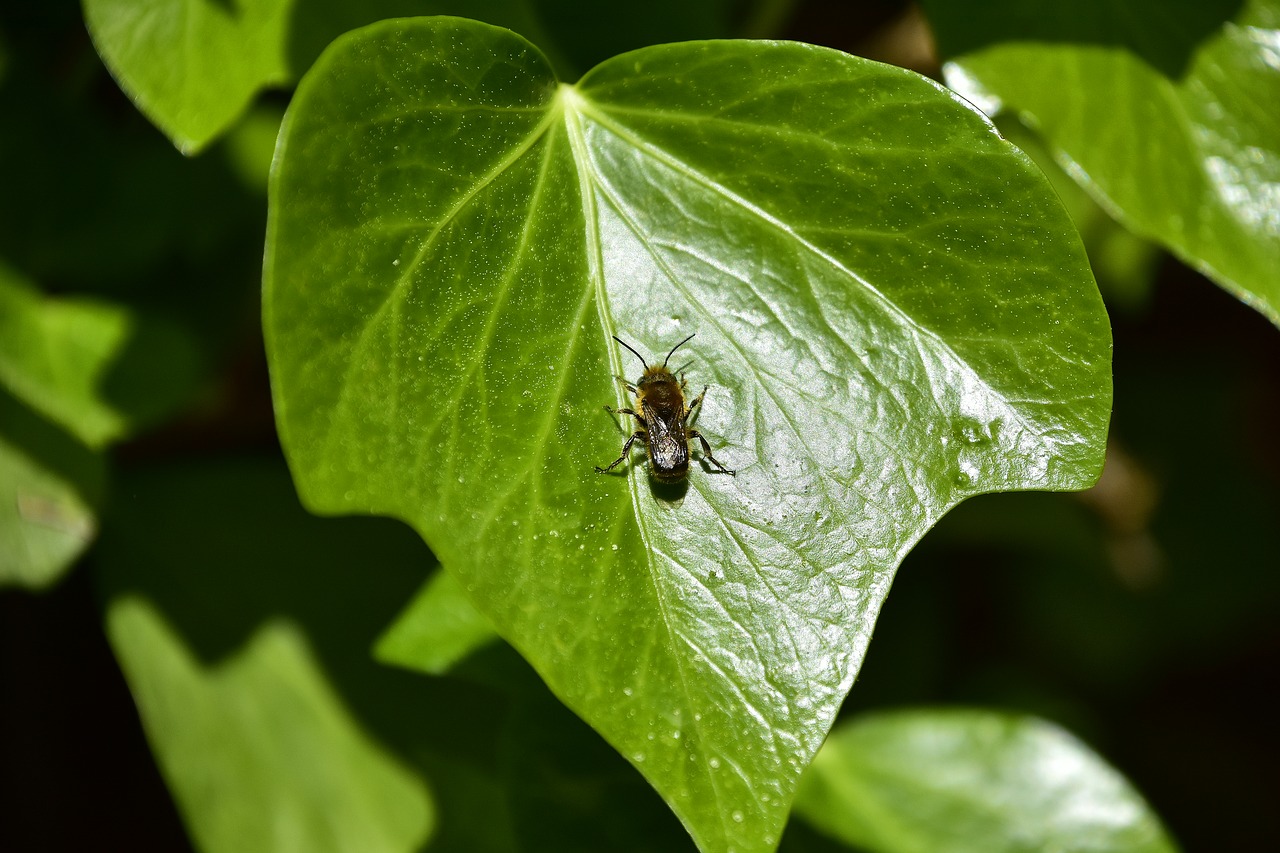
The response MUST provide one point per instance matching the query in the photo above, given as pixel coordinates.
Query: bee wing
(668, 443)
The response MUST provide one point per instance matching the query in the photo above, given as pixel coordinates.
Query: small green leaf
(95, 368)
(959, 781)
(50, 489)
(241, 620)
(258, 751)
(1165, 114)
(193, 66)
(892, 312)
(75, 375)
(439, 628)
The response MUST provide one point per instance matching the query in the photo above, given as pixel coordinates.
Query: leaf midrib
(571, 102)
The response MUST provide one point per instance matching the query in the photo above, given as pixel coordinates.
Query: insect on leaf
(892, 312)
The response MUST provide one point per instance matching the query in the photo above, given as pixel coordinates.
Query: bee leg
(696, 401)
(611, 410)
(706, 451)
(626, 449)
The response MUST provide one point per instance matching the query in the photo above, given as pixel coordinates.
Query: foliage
(952, 781)
(75, 375)
(286, 746)
(1175, 134)
(193, 66)
(893, 313)
(446, 376)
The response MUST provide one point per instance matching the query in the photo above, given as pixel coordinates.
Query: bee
(664, 421)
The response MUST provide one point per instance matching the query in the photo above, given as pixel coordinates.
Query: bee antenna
(628, 346)
(676, 347)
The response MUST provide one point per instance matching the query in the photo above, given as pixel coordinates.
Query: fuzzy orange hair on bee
(663, 420)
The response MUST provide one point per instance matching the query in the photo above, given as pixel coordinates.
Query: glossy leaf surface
(1164, 112)
(960, 781)
(892, 313)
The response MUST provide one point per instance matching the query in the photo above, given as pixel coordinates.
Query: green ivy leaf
(50, 490)
(892, 311)
(96, 368)
(75, 374)
(959, 781)
(237, 619)
(1172, 127)
(291, 769)
(193, 66)
(439, 628)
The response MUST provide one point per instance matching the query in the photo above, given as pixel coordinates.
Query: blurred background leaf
(193, 66)
(438, 629)
(75, 375)
(224, 597)
(1163, 111)
(258, 752)
(50, 492)
(120, 214)
(935, 781)
(99, 370)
